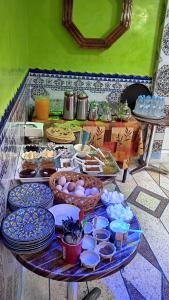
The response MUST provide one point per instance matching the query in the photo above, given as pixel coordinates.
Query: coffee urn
(69, 106)
(82, 107)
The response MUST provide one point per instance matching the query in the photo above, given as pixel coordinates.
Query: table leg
(124, 175)
(49, 291)
(150, 147)
(72, 290)
(148, 150)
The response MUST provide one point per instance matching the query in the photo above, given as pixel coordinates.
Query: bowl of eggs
(81, 190)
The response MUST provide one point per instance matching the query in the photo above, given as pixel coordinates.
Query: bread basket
(84, 203)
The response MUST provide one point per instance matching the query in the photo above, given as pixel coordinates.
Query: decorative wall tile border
(12, 103)
(99, 87)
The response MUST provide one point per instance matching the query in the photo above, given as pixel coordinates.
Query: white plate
(62, 211)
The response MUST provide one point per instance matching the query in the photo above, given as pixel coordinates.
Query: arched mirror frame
(96, 43)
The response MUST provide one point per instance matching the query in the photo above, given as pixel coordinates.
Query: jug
(82, 106)
(69, 106)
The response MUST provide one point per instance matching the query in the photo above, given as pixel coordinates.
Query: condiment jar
(93, 111)
(106, 114)
(69, 106)
(82, 106)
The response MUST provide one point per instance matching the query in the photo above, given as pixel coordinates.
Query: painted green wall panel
(53, 47)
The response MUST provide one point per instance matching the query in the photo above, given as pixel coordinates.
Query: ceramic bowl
(88, 228)
(101, 235)
(62, 211)
(88, 242)
(48, 154)
(89, 259)
(106, 250)
(119, 212)
(30, 156)
(100, 222)
(111, 198)
(82, 153)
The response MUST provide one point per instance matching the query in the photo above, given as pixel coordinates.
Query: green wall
(32, 35)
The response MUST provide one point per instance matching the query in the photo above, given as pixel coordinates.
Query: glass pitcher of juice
(42, 108)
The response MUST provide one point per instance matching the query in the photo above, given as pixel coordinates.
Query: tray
(111, 161)
(39, 178)
(146, 117)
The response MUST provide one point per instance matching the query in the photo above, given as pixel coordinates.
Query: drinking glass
(42, 108)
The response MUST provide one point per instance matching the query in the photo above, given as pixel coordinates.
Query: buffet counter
(123, 139)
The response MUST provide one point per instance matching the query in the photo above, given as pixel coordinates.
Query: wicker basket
(85, 203)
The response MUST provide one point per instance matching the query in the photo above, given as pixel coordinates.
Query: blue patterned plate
(28, 224)
(29, 248)
(30, 194)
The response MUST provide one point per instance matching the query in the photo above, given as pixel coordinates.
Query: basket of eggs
(77, 189)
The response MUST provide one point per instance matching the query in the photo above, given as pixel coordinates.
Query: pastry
(62, 135)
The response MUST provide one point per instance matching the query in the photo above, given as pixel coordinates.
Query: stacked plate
(28, 230)
(30, 194)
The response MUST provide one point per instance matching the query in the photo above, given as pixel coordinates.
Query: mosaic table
(49, 262)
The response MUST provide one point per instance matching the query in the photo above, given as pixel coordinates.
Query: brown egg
(59, 187)
(71, 187)
(61, 180)
(80, 182)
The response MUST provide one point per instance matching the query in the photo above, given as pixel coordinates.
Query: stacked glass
(150, 106)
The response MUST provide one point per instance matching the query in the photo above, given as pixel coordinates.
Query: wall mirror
(74, 21)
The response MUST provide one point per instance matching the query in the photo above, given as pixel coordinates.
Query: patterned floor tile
(112, 287)
(156, 236)
(155, 176)
(34, 287)
(59, 290)
(133, 292)
(127, 187)
(165, 289)
(146, 203)
(164, 182)
(138, 272)
(165, 191)
(165, 218)
(144, 180)
(147, 253)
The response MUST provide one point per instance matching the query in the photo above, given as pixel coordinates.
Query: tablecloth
(123, 139)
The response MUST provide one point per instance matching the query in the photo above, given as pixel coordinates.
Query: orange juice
(42, 108)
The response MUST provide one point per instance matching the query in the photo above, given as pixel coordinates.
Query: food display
(101, 235)
(60, 135)
(75, 188)
(48, 153)
(100, 222)
(49, 159)
(106, 250)
(119, 212)
(30, 155)
(114, 197)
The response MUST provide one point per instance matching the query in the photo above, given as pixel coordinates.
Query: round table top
(49, 262)
(159, 122)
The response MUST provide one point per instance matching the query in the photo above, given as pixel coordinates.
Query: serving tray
(38, 177)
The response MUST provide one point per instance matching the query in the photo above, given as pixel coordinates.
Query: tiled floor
(147, 276)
